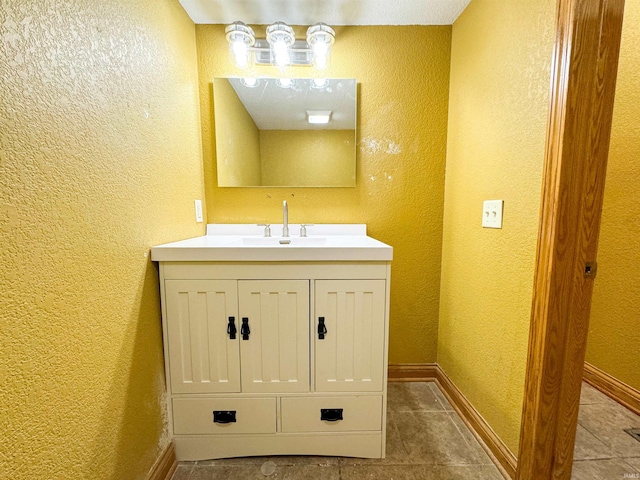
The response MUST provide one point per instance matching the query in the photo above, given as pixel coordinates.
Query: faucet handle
(303, 228)
(267, 229)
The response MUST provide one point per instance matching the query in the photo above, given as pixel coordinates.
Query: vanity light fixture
(318, 116)
(319, 83)
(320, 37)
(280, 48)
(285, 82)
(241, 38)
(249, 82)
(281, 38)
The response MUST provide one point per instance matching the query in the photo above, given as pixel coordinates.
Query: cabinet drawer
(304, 414)
(232, 415)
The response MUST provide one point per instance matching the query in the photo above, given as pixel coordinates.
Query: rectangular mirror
(271, 133)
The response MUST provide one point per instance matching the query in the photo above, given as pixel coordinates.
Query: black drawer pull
(224, 416)
(231, 328)
(322, 329)
(244, 329)
(331, 414)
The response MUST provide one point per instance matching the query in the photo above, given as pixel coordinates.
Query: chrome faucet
(285, 219)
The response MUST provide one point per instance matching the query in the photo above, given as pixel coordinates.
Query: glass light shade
(250, 82)
(241, 38)
(280, 37)
(319, 83)
(320, 37)
(240, 54)
(284, 82)
(280, 54)
(321, 61)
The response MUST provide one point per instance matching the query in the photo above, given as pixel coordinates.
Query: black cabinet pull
(224, 416)
(322, 329)
(231, 328)
(244, 329)
(331, 414)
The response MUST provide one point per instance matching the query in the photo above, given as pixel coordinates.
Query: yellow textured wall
(500, 71)
(308, 157)
(614, 331)
(238, 139)
(403, 76)
(100, 158)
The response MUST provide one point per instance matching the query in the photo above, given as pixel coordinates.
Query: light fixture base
(299, 54)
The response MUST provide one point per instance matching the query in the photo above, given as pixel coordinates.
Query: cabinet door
(275, 356)
(350, 357)
(203, 358)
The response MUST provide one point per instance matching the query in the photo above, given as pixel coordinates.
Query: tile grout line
(472, 447)
(190, 474)
(604, 444)
(608, 405)
(435, 389)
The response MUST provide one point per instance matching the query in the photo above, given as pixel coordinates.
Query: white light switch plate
(198, 211)
(492, 213)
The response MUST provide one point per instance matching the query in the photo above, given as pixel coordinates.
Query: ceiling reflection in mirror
(285, 132)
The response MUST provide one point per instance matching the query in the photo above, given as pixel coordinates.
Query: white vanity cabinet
(349, 339)
(203, 358)
(214, 326)
(275, 357)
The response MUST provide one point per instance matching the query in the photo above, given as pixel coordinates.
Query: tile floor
(603, 449)
(426, 440)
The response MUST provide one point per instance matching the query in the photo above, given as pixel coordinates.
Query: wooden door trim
(584, 70)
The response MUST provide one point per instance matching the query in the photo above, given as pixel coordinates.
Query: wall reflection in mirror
(285, 132)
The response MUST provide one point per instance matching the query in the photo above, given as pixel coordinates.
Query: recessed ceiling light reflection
(318, 116)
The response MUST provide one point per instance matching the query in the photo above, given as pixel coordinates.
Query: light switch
(492, 213)
(198, 211)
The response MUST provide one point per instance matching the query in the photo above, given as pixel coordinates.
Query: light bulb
(321, 61)
(320, 48)
(280, 37)
(320, 37)
(320, 82)
(321, 54)
(240, 50)
(281, 54)
(250, 82)
(241, 38)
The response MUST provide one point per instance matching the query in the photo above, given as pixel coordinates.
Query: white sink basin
(240, 242)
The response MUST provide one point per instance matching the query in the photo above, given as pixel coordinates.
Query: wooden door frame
(583, 73)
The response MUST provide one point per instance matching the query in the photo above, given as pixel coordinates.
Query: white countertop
(246, 242)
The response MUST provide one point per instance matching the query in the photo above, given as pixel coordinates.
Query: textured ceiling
(332, 12)
(276, 108)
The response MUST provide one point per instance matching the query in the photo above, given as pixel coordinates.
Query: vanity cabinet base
(208, 447)
(272, 358)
